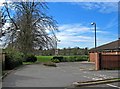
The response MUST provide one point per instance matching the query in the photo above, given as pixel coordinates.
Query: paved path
(38, 75)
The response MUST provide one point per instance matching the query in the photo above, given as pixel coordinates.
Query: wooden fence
(105, 60)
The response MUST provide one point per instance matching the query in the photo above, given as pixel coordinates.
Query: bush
(82, 58)
(75, 58)
(69, 59)
(55, 60)
(72, 59)
(65, 59)
(31, 58)
(13, 59)
(60, 58)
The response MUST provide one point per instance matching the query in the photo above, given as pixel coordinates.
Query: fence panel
(110, 61)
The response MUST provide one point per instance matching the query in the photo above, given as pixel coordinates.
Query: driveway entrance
(38, 75)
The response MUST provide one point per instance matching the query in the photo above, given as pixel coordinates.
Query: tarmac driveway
(38, 75)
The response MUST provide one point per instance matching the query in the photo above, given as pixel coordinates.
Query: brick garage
(106, 56)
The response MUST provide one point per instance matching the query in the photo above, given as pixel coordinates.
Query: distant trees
(30, 26)
(65, 51)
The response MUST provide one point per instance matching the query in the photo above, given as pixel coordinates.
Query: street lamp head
(93, 23)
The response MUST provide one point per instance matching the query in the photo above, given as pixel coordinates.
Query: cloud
(1, 2)
(102, 7)
(73, 28)
(69, 35)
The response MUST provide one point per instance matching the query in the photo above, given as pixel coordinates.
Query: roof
(112, 46)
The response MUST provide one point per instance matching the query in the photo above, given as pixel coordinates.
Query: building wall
(92, 57)
(105, 60)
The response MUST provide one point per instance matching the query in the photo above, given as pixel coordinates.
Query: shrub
(60, 58)
(69, 59)
(31, 58)
(13, 59)
(82, 58)
(55, 60)
(65, 59)
(72, 59)
(75, 58)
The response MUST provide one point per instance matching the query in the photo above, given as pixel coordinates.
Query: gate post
(97, 61)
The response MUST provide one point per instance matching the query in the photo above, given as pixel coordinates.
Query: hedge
(30, 58)
(13, 59)
(70, 58)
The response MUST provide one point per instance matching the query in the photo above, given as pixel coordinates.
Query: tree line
(64, 52)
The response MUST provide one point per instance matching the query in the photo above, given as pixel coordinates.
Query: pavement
(38, 75)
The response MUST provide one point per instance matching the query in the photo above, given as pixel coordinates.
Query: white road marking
(86, 76)
(97, 78)
(113, 86)
(103, 76)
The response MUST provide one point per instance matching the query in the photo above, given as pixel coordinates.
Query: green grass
(44, 58)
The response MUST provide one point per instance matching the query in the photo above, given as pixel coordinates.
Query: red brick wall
(92, 57)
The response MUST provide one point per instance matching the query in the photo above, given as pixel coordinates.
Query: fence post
(3, 61)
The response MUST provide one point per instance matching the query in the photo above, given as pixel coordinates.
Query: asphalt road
(38, 75)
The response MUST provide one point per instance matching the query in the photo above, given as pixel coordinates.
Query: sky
(74, 22)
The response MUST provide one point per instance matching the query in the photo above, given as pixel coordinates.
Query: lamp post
(93, 23)
(56, 50)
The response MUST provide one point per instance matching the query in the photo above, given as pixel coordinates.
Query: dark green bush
(55, 60)
(31, 58)
(13, 59)
(60, 58)
(75, 58)
(70, 59)
(65, 59)
(82, 58)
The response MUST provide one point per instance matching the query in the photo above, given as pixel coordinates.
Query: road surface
(38, 75)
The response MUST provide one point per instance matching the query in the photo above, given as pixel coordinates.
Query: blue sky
(74, 22)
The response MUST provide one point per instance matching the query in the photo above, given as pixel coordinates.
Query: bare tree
(2, 22)
(29, 26)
